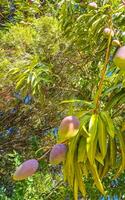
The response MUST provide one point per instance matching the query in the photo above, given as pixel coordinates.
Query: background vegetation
(51, 51)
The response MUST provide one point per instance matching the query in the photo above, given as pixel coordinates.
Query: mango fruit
(58, 154)
(108, 32)
(119, 58)
(116, 43)
(68, 128)
(93, 5)
(26, 169)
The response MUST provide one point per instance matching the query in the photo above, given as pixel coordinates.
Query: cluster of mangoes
(68, 128)
(119, 58)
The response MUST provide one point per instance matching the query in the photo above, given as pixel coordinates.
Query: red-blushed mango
(26, 169)
(116, 43)
(108, 32)
(58, 154)
(93, 5)
(119, 58)
(68, 128)
(31, 1)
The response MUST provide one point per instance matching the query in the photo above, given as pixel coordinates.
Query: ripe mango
(26, 169)
(68, 128)
(119, 58)
(57, 154)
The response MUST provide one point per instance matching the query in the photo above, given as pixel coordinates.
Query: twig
(43, 156)
(103, 72)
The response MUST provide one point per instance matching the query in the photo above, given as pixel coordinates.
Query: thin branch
(103, 72)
